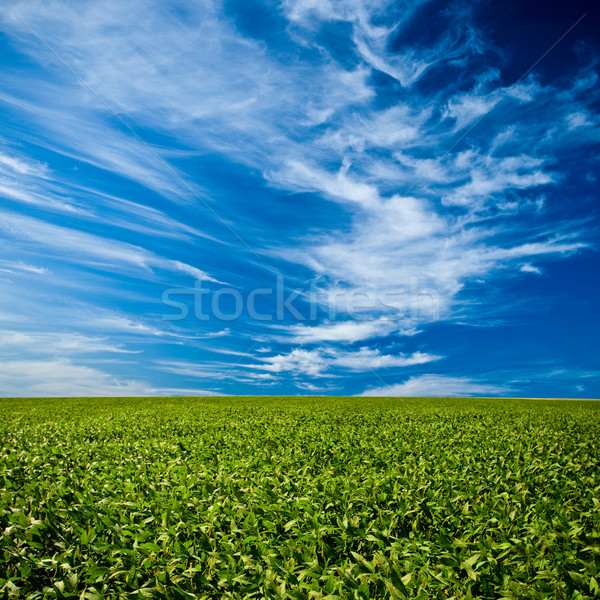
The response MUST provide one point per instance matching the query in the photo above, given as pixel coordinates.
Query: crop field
(301, 497)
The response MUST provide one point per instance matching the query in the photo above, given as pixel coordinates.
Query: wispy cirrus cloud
(19, 266)
(62, 377)
(87, 248)
(30, 182)
(54, 343)
(440, 386)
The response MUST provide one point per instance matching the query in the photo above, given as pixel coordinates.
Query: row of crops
(299, 498)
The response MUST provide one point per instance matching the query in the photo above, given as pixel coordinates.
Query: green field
(299, 498)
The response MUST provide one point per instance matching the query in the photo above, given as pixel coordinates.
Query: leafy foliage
(184, 498)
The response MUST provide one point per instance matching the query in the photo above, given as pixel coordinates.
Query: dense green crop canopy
(184, 498)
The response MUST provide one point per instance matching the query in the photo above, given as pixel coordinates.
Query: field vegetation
(184, 498)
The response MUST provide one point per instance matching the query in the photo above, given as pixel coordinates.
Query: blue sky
(299, 197)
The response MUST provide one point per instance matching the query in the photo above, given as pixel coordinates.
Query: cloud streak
(90, 249)
(440, 386)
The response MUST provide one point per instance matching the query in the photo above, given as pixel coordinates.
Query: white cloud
(87, 248)
(232, 97)
(26, 181)
(489, 176)
(344, 331)
(61, 377)
(213, 371)
(339, 186)
(114, 323)
(527, 268)
(320, 362)
(439, 386)
(467, 107)
(418, 262)
(77, 131)
(367, 358)
(55, 343)
(298, 361)
(406, 68)
(21, 267)
(217, 372)
(372, 41)
(21, 166)
(215, 334)
(117, 323)
(579, 119)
